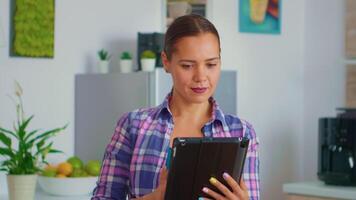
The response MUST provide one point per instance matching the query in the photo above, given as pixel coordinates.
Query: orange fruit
(65, 168)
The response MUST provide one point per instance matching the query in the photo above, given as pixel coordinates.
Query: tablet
(194, 161)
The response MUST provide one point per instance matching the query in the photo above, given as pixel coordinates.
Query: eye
(186, 66)
(211, 65)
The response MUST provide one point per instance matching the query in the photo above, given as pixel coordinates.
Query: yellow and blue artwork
(260, 16)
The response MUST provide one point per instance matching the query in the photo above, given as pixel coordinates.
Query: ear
(165, 62)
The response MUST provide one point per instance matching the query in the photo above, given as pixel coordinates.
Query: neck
(181, 108)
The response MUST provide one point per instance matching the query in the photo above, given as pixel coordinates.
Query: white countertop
(319, 189)
(40, 195)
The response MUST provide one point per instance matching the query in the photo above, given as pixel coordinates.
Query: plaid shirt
(138, 151)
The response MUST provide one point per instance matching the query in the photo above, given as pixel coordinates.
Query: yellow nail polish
(213, 180)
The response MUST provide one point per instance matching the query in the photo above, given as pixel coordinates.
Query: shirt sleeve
(115, 172)
(252, 163)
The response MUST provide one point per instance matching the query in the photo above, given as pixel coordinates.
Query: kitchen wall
(81, 29)
(285, 81)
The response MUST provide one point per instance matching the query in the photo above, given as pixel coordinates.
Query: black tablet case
(195, 160)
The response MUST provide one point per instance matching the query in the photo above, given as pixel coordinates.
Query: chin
(201, 98)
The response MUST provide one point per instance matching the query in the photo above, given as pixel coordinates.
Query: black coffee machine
(337, 148)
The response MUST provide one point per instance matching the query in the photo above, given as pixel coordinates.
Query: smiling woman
(134, 161)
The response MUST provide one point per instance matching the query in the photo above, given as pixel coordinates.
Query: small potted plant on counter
(125, 62)
(24, 162)
(104, 60)
(148, 60)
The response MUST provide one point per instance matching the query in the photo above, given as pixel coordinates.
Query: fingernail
(225, 175)
(205, 190)
(213, 180)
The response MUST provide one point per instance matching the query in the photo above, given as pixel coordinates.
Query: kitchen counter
(40, 195)
(318, 190)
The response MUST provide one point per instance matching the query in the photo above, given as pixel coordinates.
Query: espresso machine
(337, 148)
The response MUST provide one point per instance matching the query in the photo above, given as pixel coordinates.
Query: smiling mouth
(199, 90)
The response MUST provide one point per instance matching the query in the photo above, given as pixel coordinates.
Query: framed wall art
(350, 32)
(260, 16)
(32, 28)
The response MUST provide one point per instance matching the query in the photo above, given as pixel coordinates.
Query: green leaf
(6, 152)
(55, 151)
(22, 128)
(6, 140)
(30, 134)
(9, 132)
(41, 143)
(44, 151)
(48, 133)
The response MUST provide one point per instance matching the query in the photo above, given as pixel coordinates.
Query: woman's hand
(158, 194)
(239, 192)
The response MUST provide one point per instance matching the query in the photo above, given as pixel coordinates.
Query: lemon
(93, 167)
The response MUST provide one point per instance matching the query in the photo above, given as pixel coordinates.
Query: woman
(134, 160)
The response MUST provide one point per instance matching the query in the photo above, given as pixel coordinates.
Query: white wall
(286, 81)
(270, 90)
(81, 29)
(324, 73)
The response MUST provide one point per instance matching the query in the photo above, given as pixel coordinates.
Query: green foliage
(125, 56)
(32, 146)
(103, 54)
(148, 54)
(33, 28)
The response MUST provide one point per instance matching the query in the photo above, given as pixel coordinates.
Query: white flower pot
(125, 66)
(148, 64)
(21, 186)
(103, 66)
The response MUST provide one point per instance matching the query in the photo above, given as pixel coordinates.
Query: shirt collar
(217, 113)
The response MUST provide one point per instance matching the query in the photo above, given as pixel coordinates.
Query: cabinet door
(100, 99)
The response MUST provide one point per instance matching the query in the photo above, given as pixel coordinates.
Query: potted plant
(104, 59)
(148, 60)
(125, 62)
(23, 162)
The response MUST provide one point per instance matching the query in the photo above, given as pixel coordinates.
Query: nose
(200, 74)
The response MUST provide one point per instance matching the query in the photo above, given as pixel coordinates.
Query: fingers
(162, 184)
(222, 188)
(232, 183)
(212, 194)
(163, 175)
(238, 191)
(243, 185)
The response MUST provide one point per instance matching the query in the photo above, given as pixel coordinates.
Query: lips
(199, 90)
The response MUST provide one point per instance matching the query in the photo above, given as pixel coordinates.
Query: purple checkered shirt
(138, 151)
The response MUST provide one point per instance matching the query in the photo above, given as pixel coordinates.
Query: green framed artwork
(260, 16)
(32, 28)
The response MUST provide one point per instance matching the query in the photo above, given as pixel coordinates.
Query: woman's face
(195, 67)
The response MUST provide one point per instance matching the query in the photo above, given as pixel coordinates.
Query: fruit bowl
(67, 186)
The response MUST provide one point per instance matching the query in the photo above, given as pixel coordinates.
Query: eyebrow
(193, 61)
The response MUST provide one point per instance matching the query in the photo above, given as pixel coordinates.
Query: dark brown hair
(187, 25)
